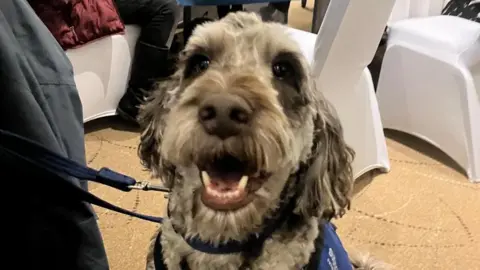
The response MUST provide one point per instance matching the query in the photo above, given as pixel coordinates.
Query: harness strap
(329, 253)
(41, 157)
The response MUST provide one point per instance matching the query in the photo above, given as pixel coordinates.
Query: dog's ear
(151, 119)
(328, 178)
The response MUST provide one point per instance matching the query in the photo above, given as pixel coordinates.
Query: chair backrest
(400, 11)
(424, 8)
(347, 41)
(404, 9)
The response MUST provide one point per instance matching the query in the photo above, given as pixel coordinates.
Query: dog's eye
(282, 70)
(197, 64)
(202, 65)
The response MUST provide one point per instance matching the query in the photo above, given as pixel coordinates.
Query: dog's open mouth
(229, 183)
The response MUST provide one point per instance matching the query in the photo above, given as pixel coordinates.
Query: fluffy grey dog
(238, 131)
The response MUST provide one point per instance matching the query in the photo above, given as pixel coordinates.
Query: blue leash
(43, 158)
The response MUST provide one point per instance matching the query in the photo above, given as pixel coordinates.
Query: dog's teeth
(206, 179)
(243, 182)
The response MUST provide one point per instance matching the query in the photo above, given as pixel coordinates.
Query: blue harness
(329, 253)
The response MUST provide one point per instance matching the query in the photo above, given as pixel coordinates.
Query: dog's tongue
(224, 190)
(224, 181)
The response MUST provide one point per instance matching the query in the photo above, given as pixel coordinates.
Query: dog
(244, 139)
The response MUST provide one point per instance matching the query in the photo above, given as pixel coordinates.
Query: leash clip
(147, 186)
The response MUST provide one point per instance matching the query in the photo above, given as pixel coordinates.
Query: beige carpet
(423, 214)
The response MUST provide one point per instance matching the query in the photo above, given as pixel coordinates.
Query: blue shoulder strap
(333, 256)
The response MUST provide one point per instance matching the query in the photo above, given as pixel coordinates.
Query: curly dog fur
(257, 65)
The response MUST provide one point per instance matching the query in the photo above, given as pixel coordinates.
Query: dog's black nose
(224, 116)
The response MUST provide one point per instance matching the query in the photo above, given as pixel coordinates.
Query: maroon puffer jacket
(77, 22)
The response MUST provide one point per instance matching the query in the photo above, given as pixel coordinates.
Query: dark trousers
(281, 6)
(158, 20)
(223, 10)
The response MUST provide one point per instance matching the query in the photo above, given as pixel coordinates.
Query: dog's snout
(224, 116)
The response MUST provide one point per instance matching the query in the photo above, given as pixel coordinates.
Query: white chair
(406, 9)
(425, 8)
(400, 11)
(101, 71)
(429, 85)
(339, 55)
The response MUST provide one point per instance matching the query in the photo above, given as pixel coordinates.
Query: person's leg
(281, 6)
(222, 10)
(276, 11)
(236, 8)
(151, 61)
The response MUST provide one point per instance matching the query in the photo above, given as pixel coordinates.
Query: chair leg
(315, 18)
(319, 10)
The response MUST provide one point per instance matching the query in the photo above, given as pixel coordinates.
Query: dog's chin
(230, 184)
